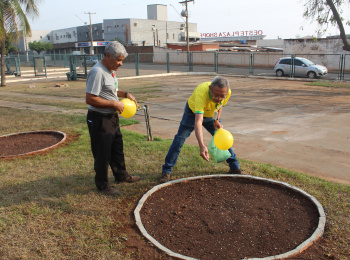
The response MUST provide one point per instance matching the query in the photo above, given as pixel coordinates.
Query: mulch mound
(25, 143)
(229, 218)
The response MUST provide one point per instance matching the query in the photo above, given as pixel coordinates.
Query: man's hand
(119, 106)
(131, 97)
(217, 124)
(204, 153)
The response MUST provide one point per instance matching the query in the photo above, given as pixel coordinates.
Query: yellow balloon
(129, 108)
(223, 139)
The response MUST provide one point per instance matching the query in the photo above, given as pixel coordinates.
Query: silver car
(91, 60)
(302, 67)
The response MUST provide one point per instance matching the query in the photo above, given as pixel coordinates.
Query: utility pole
(186, 15)
(91, 38)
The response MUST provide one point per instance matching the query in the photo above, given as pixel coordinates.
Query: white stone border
(318, 232)
(33, 132)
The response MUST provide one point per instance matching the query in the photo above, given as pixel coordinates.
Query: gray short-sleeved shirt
(104, 84)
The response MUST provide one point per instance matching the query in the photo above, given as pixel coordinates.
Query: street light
(92, 40)
(90, 29)
(185, 14)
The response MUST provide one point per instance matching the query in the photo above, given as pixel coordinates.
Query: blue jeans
(185, 129)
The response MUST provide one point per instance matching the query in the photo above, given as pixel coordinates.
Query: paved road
(281, 122)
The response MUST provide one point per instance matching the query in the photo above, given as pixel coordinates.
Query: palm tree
(13, 19)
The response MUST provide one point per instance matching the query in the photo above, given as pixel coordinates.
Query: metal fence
(231, 63)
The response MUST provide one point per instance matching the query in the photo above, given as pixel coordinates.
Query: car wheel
(279, 73)
(311, 75)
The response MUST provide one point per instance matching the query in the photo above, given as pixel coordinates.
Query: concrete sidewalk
(281, 122)
(29, 75)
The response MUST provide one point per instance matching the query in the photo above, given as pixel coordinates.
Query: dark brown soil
(25, 143)
(229, 218)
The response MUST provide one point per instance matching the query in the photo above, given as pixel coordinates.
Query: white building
(154, 31)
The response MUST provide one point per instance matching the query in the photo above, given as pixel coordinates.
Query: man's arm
(198, 129)
(217, 123)
(125, 94)
(96, 101)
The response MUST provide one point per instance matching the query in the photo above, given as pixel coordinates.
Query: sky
(273, 18)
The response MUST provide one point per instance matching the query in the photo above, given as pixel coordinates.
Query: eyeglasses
(218, 97)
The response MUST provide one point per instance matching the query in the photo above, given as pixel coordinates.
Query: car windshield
(307, 62)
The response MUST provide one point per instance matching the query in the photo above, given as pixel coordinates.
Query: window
(285, 61)
(109, 28)
(298, 62)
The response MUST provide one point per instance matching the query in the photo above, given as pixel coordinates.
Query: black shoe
(129, 179)
(237, 171)
(110, 191)
(165, 177)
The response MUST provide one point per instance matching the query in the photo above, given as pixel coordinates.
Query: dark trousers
(185, 129)
(107, 147)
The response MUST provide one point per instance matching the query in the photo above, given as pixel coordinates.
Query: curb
(303, 246)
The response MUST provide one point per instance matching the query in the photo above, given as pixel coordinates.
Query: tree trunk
(346, 45)
(3, 77)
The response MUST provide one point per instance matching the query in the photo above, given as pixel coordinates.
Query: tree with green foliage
(39, 46)
(328, 12)
(9, 47)
(13, 18)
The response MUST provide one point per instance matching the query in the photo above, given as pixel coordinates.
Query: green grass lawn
(50, 208)
(330, 84)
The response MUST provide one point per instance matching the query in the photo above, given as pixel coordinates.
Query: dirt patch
(229, 218)
(28, 143)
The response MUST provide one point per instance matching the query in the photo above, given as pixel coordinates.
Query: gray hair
(220, 82)
(115, 49)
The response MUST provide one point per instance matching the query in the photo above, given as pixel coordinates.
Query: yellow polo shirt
(201, 102)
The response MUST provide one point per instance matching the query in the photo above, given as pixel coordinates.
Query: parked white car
(302, 67)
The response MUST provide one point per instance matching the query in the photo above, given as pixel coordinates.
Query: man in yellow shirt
(203, 108)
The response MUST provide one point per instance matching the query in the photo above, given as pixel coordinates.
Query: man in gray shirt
(102, 96)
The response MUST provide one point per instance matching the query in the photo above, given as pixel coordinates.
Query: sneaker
(237, 171)
(129, 179)
(165, 177)
(110, 191)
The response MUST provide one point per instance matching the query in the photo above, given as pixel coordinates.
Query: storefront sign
(82, 44)
(88, 44)
(102, 43)
(232, 34)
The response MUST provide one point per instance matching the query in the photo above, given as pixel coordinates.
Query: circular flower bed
(25, 143)
(229, 217)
